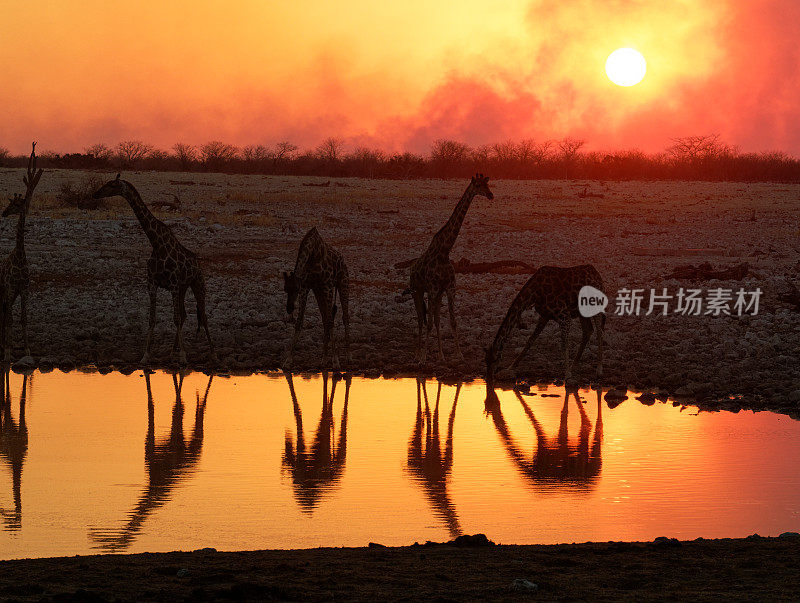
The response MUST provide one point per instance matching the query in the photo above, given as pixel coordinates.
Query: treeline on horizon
(703, 157)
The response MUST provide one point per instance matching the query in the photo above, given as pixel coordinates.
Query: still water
(112, 463)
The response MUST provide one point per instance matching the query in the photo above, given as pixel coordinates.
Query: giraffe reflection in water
(557, 463)
(13, 446)
(169, 461)
(427, 463)
(316, 470)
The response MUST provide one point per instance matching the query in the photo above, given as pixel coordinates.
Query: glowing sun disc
(626, 67)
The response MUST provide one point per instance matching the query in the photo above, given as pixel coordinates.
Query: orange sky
(396, 75)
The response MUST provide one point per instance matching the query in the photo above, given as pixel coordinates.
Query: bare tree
(449, 151)
(406, 165)
(130, 152)
(569, 147)
(330, 149)
(447, 156)
(186, 154)
(99, 151)
(254, 153)
(504, 152)
(367, 154)
(158, 157)
(368, 160)
(284, 150)
(691, 148)
(530, 151)
(50, 156)
(482, 153)
(215, 154)
(4, 155)
(568, 151)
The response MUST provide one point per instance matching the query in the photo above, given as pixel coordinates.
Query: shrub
(80, 195)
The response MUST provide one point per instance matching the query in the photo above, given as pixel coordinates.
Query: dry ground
(762, 569)
(89, 302)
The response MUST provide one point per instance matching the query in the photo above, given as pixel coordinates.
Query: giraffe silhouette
(321, 269)
(169, 462)
(314, 472)
(171, 266)
(14, 274)
(433, 275)
(553, 292)
(557, 463)
(427, 463)
(13, 446)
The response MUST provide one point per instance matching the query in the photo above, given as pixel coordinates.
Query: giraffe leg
(24, 320)
(326, 299)
(332, 335)
(179, 315)
(302, 298)
(451, 294)
(419, 305)
(540, 324)
(564, 324)
(437, 306)
(7, 326)
(344, 299)
(182, 300)
(10, 330)
(199, 292)
(599, 326)
(151, 289)
(429, 320)
(323, 310)
(586, 333)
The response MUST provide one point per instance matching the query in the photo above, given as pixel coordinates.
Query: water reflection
(558, 463)
(316, 470)
(429, 466)
(521, 469)
(13, 447)
(168, 462)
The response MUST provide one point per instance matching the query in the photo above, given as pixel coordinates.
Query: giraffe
(553, 292)
(557, 462)
(169, 461)
(317, 470)
(171, 266)
(426, 463)
(433, 275)
(13, 444)
(321, 269)
(14, 275)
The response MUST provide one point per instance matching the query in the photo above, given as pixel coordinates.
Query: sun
(626, 67)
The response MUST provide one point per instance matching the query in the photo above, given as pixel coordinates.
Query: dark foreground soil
(753, 568)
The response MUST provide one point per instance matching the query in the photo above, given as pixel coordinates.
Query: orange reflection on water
(557, 462)
(135, 463)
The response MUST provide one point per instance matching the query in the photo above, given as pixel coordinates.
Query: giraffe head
(291, 285)
(112, 188)
(15, 206)
(480, 186)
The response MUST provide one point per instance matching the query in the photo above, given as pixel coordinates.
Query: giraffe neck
(447, 235)
(521, 302)
(308, 253)
(145, 217)
(20, 247)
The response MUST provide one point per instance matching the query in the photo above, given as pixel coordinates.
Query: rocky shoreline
(473, 569)
(88, 302)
